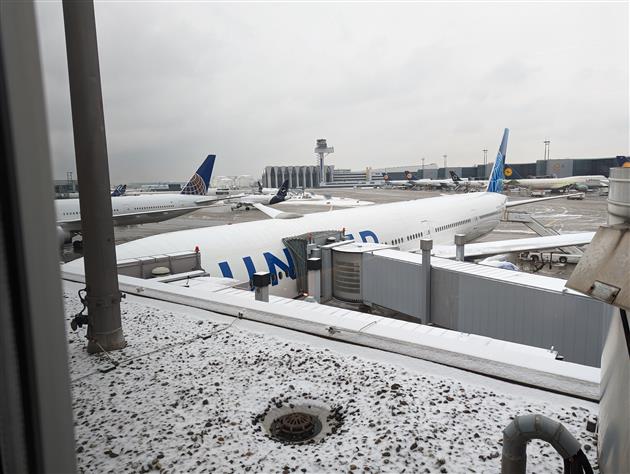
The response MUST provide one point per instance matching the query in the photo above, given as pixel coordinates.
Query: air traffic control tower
(322, 150)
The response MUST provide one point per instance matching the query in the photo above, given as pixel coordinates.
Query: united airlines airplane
(130, 210)
(238, 251)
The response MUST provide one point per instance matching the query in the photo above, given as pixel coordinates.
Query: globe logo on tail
(195, 186)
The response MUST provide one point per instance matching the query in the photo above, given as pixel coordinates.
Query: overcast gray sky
(386, 84)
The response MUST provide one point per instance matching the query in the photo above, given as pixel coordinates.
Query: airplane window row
(409, 238)
(454, 224)
(153, 207)
(75, 213)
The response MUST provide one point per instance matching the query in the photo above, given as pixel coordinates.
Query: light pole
(423, 167)
(485, 159)
(444, 156)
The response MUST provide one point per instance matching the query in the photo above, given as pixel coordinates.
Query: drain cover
(298, 421)
(295, 427)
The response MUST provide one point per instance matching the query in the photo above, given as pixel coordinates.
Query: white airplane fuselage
(255, 199)
(147, 206)
(237, 251)
(560, 183)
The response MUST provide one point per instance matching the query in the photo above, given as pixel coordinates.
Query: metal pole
(314, 267)
(485, 160)
(426, 245)
(261, 281)
(103, 297)
(460, 240)
(444, 156)
(423, 167)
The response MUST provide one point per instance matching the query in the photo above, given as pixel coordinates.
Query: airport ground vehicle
(546, 257)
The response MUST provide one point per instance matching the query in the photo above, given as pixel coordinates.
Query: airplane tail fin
(454, 176)
(623, 161)
(119, 190)
(260, 187)
(200, 181)
(495, 181)
(282, 193)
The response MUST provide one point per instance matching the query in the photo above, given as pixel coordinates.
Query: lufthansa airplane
(131, 210)
(238, 251)
(251, 199)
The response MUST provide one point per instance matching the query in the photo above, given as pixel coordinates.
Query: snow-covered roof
(191, 386)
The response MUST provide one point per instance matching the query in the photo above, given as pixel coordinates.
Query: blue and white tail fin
(281, 194)
(119, 190)
(495, 181)
(200, 181)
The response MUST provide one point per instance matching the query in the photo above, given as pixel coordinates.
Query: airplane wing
(204, 200)
(535, 200)
(275, 213)
(481, 249)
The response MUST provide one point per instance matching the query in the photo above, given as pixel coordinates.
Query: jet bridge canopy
(300, 247)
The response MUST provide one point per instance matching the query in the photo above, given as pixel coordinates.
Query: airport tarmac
(563, 215)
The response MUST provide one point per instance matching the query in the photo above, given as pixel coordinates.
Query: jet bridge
(512, 306)
(302, 247)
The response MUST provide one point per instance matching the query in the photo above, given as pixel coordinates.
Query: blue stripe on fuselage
(275, 263)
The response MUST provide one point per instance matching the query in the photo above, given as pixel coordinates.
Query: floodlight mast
(322, 150)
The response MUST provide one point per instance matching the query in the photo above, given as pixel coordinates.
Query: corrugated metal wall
(575, 325)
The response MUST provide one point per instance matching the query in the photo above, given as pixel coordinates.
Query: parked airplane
(119, 190)
(129, 210)
(262, 190)
(581, 183)
(399, 183)
(468, 184)
(411, 182)
(251, 199)
(238, 251)
(309, 199)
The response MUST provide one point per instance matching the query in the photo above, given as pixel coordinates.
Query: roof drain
(526, 427)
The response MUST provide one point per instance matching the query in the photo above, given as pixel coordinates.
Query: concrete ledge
(506, 360)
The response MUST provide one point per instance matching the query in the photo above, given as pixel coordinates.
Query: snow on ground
(179, 402)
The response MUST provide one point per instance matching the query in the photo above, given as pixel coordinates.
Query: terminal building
(308, 176)
(299, 176)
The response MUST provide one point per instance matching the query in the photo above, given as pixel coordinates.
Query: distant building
(65, 187)
(307, 176)
(346, 176)
(299, 176)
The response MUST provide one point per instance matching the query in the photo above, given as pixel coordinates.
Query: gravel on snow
(180, 402)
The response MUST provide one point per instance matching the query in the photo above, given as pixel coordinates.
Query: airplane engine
(581, 187)
(63, 236)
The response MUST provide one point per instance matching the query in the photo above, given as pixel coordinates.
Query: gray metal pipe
(426, 245)
(527, 427)
(103, 297)
(261, 282)
(460, 240)
(619, 196)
